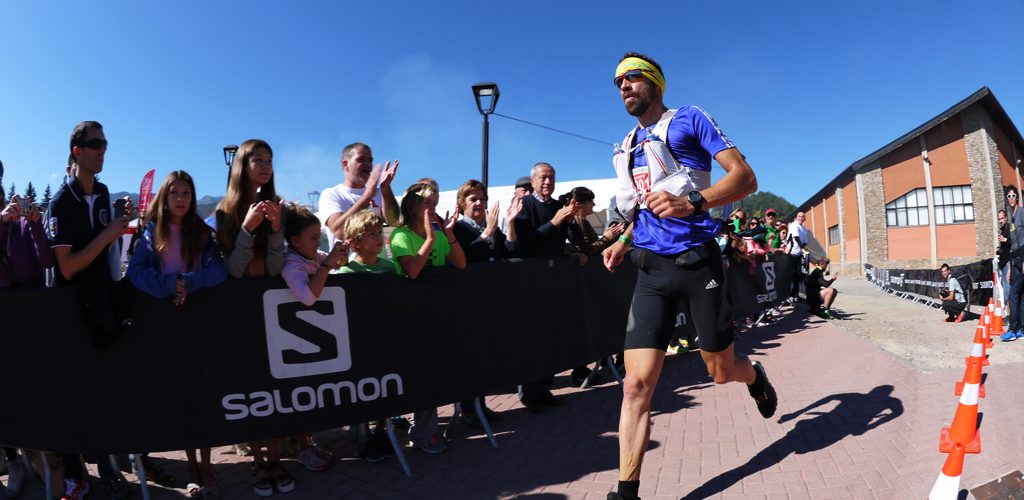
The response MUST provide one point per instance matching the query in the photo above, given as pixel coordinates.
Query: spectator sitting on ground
(952, 295)
(820, 294)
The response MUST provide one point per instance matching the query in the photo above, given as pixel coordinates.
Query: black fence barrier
(245, 360)
(975, 278)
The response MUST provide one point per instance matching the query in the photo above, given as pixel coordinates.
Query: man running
(664, 173)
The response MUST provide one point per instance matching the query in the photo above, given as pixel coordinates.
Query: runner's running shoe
(763, 392)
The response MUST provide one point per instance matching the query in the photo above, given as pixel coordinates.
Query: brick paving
(856, 422)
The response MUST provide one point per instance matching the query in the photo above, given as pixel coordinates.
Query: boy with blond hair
(364, 231)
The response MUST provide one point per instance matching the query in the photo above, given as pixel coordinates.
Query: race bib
(642, 179)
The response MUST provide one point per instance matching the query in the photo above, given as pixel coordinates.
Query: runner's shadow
(854, 415)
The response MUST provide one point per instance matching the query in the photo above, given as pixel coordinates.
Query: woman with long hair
(249, 218)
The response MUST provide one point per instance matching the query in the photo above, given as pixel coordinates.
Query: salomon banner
(975, 278)
(246, 360)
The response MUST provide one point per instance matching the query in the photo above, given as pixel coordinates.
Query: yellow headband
(648, 69)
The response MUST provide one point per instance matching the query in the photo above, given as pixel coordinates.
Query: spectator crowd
(76, 241)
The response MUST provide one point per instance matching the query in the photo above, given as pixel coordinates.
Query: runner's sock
(630, 490)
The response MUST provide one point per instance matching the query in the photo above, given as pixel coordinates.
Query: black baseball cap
(524, 182)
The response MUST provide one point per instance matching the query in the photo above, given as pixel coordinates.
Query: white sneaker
(15, 477)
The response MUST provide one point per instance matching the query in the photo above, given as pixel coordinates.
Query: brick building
(930, 196)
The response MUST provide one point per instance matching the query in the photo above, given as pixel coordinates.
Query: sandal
(261, 484)
(282, 480)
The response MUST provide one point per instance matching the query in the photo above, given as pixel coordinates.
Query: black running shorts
(664, 286)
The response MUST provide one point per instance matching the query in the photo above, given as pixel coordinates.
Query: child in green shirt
(415, 244)
(364, 231)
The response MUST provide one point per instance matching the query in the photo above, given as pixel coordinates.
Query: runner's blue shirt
(694, 139)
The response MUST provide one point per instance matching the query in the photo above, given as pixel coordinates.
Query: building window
(953, 204)
(910, 209)
(833, 235)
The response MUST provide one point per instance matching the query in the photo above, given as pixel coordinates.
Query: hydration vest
(662, 172)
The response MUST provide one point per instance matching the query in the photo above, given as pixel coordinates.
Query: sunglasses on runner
(630, 76)
(94, 144)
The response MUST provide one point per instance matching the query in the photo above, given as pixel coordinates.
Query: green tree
(46, 197)
(30, 191)
(757, 203)
(11, 192)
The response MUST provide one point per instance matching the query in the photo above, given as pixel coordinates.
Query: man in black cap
(523, 186)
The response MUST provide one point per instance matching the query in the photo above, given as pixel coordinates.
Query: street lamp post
(486, 95)
(314, 199)
(229, 157)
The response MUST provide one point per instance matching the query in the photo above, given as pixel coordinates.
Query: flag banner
(146, 192)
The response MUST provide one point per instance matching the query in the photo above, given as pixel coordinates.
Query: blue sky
(803, 91)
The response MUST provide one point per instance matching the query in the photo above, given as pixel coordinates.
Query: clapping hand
(448, 225)
(253, 217)
(614, 230)
(514, 208)
(564, 213)
(388, 174)
(272, 212)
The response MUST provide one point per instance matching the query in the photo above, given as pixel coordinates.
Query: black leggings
(664, 287)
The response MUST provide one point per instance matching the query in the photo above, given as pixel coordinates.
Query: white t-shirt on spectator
(339, 199)
(798, 232)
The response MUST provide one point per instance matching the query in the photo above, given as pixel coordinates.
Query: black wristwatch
(697, 200)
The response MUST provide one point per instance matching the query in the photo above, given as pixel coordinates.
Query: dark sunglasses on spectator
(94, 143)
(770, 214)
(630, 76)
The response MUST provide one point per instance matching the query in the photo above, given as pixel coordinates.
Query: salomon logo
(304, 341)
(712, 284)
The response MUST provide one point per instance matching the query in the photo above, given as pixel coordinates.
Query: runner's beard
(641, 102)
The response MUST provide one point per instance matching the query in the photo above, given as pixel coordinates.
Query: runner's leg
(643, 367)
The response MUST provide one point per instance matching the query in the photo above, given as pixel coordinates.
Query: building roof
(982, 96)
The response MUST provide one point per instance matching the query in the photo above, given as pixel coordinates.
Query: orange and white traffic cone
(947, 485)
(978, 349)
(986, 321)
(978, 358)
(964, 429)
(997, 329)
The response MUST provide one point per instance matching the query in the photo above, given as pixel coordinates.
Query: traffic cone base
(960, 390)
(946, 444)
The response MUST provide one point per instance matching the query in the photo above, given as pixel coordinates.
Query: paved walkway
(856, 422)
